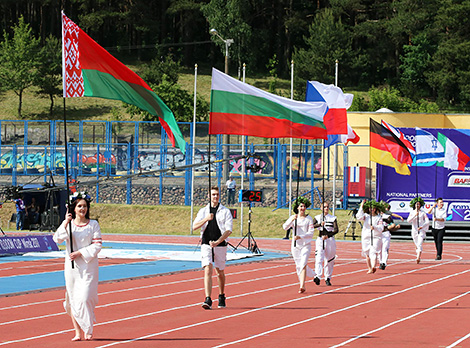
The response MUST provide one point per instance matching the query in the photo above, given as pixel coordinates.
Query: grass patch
(176, 220)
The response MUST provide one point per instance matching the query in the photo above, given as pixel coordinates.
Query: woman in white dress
(81, 281)
(372, 228)
(302, 227)
(419, 225)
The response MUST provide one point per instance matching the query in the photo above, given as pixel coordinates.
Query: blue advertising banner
(25, 244)
(429, 180)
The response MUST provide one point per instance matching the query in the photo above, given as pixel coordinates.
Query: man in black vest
(215, 222)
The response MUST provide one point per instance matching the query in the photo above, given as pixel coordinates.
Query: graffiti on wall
(35, 160)
(148, 160)
(41, 160)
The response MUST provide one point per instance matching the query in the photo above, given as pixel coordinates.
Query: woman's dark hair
(74, 204)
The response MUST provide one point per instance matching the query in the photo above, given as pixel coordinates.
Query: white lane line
(403, 319)
(459, 341)
(101, 294)
(338, 311)
(183, 307)
(270, 306)
(170, 294)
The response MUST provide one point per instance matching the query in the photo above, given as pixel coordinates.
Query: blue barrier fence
(115, 149)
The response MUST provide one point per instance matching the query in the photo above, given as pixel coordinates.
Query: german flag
(388, 150)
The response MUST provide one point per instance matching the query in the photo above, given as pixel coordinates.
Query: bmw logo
(402, 205)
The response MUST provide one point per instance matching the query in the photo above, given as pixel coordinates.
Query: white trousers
(418, 238)
(325, 254)
(383, 257)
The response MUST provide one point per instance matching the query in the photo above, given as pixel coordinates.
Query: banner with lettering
(429, 180)
(25, 244)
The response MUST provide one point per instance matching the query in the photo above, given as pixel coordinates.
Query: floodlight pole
(226, 137)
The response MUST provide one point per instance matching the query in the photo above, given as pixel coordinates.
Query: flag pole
(243, 167)
(297, 192)
(67, 181)
(291, 142)
(64, 89)
(335, 151)
(194, 150)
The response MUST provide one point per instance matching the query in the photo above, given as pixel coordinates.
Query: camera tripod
(252, 245)
(352, 224)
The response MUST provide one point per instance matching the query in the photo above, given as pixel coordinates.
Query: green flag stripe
(245, 104)
(103, 85)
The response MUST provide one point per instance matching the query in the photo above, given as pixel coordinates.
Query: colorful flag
(400, 136)
(342, 138)
(428, 148)
(238, 108)
(454, 158)
(386, 149)
(338, 102)
(90, 71)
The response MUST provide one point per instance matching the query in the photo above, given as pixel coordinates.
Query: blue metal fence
(115, 149)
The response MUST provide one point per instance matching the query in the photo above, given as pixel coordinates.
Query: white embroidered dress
(81, 282)
(302, 247)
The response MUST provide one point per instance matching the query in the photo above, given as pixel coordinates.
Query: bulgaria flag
(238, 108)
(454, 158)
(88, 70)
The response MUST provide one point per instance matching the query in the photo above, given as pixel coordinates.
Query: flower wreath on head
(416, 199)
(368, 205)
(80, 195)
(300, 200)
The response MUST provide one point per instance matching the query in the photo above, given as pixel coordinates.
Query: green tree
(19, 60)
(386, 97)
(328, 41)
(178, 100)
(49, 75)
(160, 70)
(449, 74)
(415, 63)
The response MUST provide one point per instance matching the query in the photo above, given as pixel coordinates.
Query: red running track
(406, 305)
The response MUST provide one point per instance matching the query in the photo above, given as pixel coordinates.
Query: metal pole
(335, 151)
(226, 137)
(291, 145)
(194, 151)
(243, 167)
(67, 181)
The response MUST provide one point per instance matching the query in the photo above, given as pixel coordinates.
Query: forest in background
(408, 55)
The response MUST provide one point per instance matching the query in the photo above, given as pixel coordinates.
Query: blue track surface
(48, 280)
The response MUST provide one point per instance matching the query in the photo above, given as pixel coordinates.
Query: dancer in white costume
(419, 225)
(389, 226)
(302, 226)
(371, 236)
(325, 245)
(81, 282)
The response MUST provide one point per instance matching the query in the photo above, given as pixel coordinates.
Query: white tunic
(421, 221)
(371, 237)
(302, 247)
(81, 282)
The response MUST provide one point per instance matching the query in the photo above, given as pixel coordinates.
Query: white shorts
(219, 255)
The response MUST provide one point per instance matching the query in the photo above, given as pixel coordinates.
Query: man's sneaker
(316, 280)
(327, 282)
(382, 266)
(207, 303)
(221, 301)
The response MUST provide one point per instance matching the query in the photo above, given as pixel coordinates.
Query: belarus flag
(90, 71)
(454, 158)
(335, 119)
